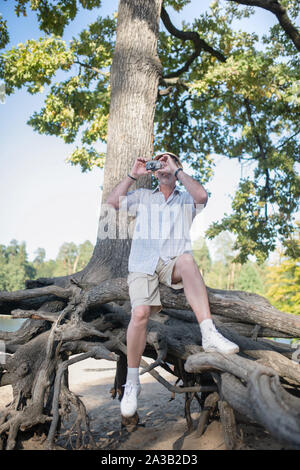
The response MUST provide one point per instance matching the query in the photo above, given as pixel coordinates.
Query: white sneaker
(129, 400)
(213, 341)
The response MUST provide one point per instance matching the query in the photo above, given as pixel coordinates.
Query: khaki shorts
(144, 288)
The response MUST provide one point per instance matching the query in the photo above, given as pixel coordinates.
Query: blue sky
(43, 200)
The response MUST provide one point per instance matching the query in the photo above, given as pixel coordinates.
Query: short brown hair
(175, 157)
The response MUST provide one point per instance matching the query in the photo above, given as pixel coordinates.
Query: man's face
(165, 175)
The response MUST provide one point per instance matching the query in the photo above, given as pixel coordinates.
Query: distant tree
(85, 251)
(226, 255)
(46, 269)
(227, 273)
(202, 256)
(66, 259)
(249, 279)
(283, 282)
(14, 266)
(224, 251)
(72, 257)
(217, 276)
(40, 256)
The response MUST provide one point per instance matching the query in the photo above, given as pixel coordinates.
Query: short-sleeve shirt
(161, 227)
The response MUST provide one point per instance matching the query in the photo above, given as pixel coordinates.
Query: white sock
(205, 325)
(133, 374)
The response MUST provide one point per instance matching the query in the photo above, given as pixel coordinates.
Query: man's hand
(168, 162)
(139, 168)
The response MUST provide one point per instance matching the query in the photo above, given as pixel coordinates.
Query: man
(164, 259)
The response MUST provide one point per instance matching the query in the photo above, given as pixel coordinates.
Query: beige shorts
(144, 288)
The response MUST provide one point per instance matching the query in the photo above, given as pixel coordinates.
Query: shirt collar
(176, 189)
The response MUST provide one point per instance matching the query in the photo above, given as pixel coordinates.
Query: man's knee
(185, 262)
(141, 314)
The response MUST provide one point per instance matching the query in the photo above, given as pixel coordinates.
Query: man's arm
(195, 188)
(138, 169)
(120, 190)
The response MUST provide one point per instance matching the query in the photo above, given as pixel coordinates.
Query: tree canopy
(223, 91)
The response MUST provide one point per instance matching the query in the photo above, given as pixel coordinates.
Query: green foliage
(87, 158)
(245, 107)
(43, 268)
(54, 15)
(176, 4)
(217, 277)
(46, 269)
(4, 36)
(202, 256)
(40, 256)
(250, 279)
(224, 246)
(14, 267)
(68, 106)
(223, 272)
(81, 101)
(256, 230)
(34, 64)
(72, 258)
(283, 281)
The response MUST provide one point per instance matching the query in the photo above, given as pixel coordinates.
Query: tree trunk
(134, 77)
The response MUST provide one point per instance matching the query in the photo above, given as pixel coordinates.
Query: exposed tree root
(261, 383)
(228, 424)
(207, 409)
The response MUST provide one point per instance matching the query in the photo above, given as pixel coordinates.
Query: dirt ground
(162, 423)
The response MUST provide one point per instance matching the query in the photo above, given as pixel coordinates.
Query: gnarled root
(68, 319)
(255, 391)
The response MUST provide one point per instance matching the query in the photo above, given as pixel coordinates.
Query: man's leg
(136, 334)
(187, 271)
(136, 342)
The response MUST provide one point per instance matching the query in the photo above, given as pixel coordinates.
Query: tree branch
(287, 140)
(87, 66)
(199, 44)
(262, 152)
(280, 12)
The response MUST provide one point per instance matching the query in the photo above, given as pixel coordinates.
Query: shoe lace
(214, 331)
(128, 389)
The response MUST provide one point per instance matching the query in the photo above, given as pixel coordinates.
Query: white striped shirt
(161, 227)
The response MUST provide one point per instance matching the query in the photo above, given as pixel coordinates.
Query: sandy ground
(162, 423)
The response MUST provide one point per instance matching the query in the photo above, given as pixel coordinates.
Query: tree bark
(134, 78)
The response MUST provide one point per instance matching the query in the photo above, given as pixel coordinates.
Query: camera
(153, 165)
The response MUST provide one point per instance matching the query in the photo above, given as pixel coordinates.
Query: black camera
(153, 165)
